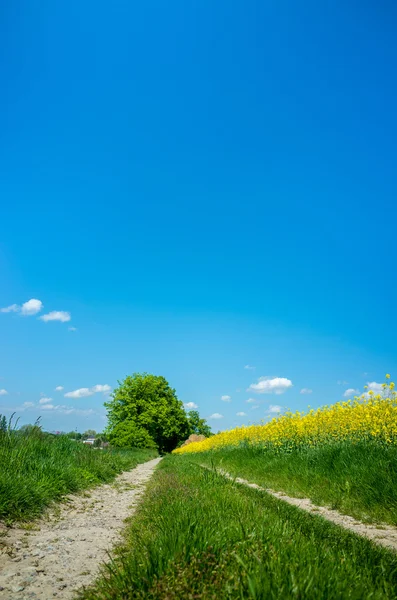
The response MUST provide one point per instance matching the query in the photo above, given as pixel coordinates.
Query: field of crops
(370, 417)
(343, 456)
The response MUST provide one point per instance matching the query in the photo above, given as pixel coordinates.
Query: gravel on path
(54, 557)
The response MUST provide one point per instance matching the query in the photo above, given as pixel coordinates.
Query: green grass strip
(358, 479)
(199, 536)
(37, 469)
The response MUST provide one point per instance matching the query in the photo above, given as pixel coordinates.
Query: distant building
(89, 441)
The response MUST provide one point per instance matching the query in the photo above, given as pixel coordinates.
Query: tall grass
(37, 468)
(200, 536)
(359, 479)
(343, 455)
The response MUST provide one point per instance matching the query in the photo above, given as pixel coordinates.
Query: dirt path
(64, 550)
(384, 535)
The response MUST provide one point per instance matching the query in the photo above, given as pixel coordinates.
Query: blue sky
(199, 187)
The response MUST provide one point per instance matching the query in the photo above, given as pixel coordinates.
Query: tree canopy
(90, 433)
(145, 412)
(197, 425)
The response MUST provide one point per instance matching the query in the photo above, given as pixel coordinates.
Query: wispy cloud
(251, 400)
(226, 398)
(255, 406)
(28, 404)
(190, 405)
(216, 416)
(72, 328)
(351, 392)
(306, 391)
(59, 388)
(85, 392)
(45, 400)
(11, 308)
(275, 408)
(342, 382)
(68, 410)
(249, 368)
(3, 392)
(56, 315)
(270, 385)
(241, 414)
(31, 307)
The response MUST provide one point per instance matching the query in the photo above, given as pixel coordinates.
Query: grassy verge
(36, 469)
(199, 536)
(359, 479)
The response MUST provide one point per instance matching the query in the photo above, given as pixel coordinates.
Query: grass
(359, 479)
(38, 468)
(199, 536)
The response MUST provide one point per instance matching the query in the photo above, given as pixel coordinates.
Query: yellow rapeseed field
(369, 416)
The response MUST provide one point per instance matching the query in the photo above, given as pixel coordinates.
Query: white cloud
(28, 404)
(80, 393)
(275, 408)
(3, 392)
(241, 414)
(251, 400)
(216, 416)
(255, 406)
(226, 398)
(101, 388)
(351, 392)
(11, 308)
(85, 392)
(72, 328)
(59, 388)
(31, 307)
(190, 405)
(306, 391)
(377, 388)
(56, 315)
(68, 410)
(249, 368)
(45, 400)
(268, 385)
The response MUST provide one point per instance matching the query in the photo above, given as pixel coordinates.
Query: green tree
(197, 425)
(90, 433)
(145, 412)
(74, 435)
